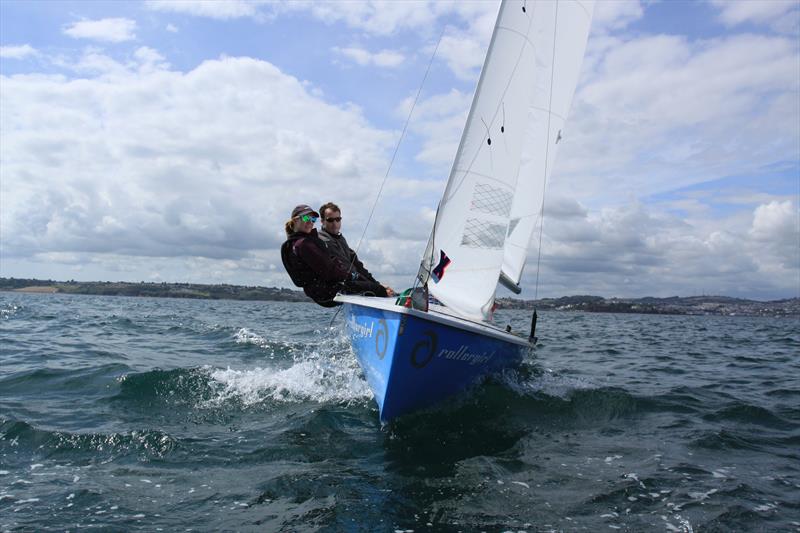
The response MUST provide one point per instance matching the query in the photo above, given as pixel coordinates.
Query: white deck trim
(435, 314)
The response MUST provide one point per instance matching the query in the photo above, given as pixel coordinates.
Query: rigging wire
(391, 162)
(546, 155)
(397, 148)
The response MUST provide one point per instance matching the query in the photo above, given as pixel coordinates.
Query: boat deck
(436, 313)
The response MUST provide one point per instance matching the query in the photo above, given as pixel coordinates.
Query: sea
(145, 414)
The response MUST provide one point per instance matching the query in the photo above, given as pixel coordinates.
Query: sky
(169, 141)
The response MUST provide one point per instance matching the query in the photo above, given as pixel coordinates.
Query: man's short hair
(330, 205)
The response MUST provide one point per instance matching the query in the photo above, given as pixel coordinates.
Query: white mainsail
(488, 212)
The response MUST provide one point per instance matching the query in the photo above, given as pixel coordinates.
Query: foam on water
(245, 336)
(324, 378)
(7, 310)
(271, 347)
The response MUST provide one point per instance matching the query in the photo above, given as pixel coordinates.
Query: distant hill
(158, 290)
(674, 305)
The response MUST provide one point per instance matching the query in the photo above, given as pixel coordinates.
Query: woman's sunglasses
(308, 218)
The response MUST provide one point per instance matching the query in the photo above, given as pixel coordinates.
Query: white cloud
(775, 221)
(375, 18)
(661, 255)
(776, 228)
(384, 58)
(615, 14)
(463, 44)
(657, 113)
(463, 48)
(124, 168)
(387, 58)
(439, 121)
(18, 51)
(151, 162)
(114, 30)
(462, 53)
(780, 15)
(149, 59)
(223, 10)
(172, 28)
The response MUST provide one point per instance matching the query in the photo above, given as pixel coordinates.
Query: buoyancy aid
(309, 264)
(338, 248)
(292, 263)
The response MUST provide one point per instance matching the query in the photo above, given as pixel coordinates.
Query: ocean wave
(60, 380)
(529, 380)
(602, 442)
(23, 437)
(571, 398)
(158, 387)
(727, 439)
(736, 518)
(750, 414)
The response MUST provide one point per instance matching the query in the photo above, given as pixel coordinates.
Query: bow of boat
(414, 359)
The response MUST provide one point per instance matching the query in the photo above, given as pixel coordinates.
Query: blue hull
(413, 360)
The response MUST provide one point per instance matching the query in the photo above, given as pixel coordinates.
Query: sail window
(491, 200)
(483, 234)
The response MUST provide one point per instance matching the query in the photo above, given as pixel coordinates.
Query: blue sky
(168, 141)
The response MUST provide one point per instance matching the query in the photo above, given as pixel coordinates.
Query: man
(331, 235)
(312, 267)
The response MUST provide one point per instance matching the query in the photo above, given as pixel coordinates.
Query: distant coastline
(156, 290)
(675, 305)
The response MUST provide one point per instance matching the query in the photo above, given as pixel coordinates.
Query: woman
(311, 267)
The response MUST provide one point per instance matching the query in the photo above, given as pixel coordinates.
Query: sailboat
(440, 340)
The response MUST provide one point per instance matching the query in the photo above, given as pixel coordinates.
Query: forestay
(488, 210)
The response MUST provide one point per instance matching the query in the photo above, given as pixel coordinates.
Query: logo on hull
(463, 354)
(360, 330)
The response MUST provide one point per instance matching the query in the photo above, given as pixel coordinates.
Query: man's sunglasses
(334, 219)
(308, 218)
